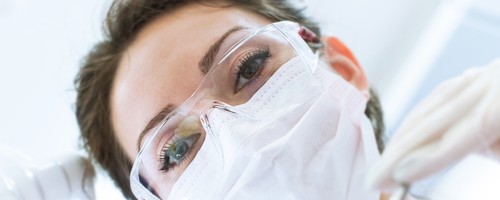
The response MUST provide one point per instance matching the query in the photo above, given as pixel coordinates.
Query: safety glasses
(245, 62)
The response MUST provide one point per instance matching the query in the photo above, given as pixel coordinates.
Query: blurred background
(406, 47)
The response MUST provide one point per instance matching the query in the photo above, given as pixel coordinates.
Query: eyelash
(263, 54)
(167, 167)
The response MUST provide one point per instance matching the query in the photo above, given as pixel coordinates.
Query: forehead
(161, 65)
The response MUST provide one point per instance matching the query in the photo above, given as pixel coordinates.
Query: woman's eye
(250, 67)
(174, 153)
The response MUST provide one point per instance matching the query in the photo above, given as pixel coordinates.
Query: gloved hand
(460, 116)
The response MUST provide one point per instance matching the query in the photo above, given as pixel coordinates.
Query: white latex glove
(460, 116)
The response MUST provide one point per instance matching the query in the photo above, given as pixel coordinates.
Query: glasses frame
(290, 31)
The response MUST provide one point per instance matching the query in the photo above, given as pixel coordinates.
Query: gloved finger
(490, 131)
(456, 143)
(443, 94)
(420, 129)
(428, 128)
(421, 133)
(494, 151)
(479, 129)
(491, 109)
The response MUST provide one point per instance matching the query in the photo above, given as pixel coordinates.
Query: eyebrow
(207, 61)
(155, 121)
(205, 64)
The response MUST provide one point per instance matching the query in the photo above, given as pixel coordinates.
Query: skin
(161, 67)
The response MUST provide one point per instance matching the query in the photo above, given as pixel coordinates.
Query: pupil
(181, 150)
(251, 69)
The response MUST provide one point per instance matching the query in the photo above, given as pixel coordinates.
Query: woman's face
(161, 69)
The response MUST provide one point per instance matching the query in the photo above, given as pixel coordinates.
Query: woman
(149, 62)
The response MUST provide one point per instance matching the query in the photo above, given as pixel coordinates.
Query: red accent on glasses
(308, 35)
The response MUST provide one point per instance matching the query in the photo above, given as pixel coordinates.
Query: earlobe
(345, 64)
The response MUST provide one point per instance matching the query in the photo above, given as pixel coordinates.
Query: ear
(345, 64)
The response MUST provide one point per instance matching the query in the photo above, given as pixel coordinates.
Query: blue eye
(250, 67)
(178, 152)
(175, 152)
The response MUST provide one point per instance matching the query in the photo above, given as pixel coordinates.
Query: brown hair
(93, 83)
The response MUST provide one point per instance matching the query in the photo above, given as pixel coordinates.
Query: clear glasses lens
(247, 59)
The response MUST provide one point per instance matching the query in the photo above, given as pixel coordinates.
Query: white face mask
(319, 148)
(302, 135)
